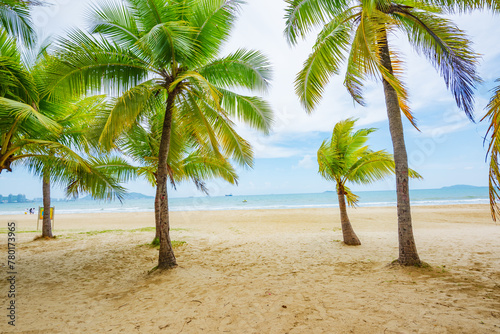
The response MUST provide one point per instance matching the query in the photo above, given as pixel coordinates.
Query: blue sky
(449, 149)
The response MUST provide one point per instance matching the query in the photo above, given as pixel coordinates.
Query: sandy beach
(261, 271)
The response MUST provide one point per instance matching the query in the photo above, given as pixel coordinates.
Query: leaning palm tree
(165, 53)
(345, 158)
(189, 157)
(358, 32)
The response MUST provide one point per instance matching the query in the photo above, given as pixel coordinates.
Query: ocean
(455, 195)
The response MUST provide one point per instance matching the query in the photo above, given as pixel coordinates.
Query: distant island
(454, 187)
(461, 186)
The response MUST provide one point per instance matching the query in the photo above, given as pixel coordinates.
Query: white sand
(262, 271)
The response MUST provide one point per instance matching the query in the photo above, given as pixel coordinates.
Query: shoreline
(422, 216)
(312, 207)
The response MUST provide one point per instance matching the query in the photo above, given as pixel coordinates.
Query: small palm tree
(345, 158)
(189, 157)
(358, 32)
(165, 53)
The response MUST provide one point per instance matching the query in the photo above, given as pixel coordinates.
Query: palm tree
(21, 121)
(493, 117)
(359, 33)
(70, 161)
(49, 135)
(345, 158)
(189, 158)
(161, 52)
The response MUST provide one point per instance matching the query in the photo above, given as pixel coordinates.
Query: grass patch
(44, 238)
(142, 229)
(422, 264)
(103, 231)
(4, 230)
(156, 244)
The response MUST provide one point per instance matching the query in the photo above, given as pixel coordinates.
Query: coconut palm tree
(49, 135)
(345, 158)
(71, 160)
(165, 53)
(357, 32)
(189, 157)
(21, 121)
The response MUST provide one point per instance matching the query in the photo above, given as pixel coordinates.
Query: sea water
(456, 195)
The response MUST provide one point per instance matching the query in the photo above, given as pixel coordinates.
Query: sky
(448, 150)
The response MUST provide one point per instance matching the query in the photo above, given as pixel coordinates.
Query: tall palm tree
(345, 158)
(160, 52)
(358, 32)
(189, 157)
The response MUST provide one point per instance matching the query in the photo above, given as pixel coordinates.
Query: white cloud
(306, 162)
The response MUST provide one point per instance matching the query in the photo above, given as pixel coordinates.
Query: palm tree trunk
(408, 255)
(166, 258)
(46, 225)
(157, 217)
(350, 238)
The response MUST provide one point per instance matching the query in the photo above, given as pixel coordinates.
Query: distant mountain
(126, 197)
(461, 186)
(137, 196)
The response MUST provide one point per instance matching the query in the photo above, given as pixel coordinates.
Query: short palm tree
(358, 32)
(165, 53)
(345, 157)
(189, 157)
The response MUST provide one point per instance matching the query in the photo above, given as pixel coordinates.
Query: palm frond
(244, 68)
(252, 110)
(84, 63)
(304, 15)
(114, 20)
(15, 19)
(213, 20)
(126, 110)
(325, 60)
(447, 48)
